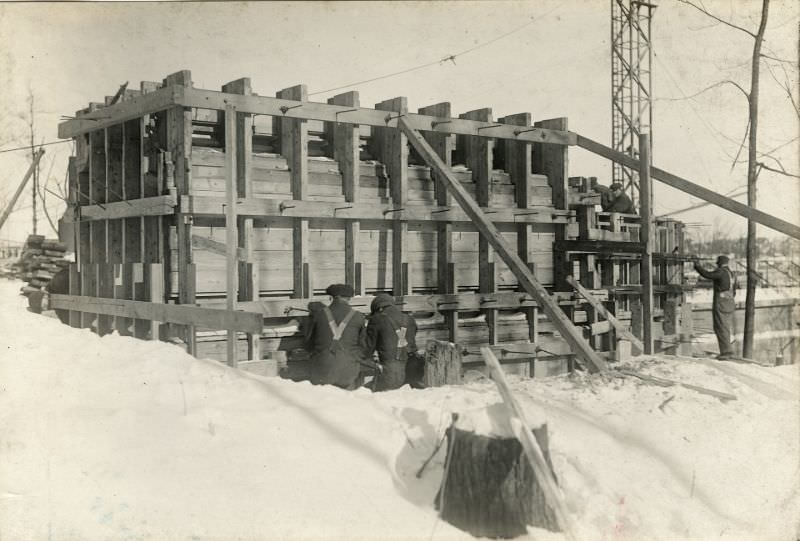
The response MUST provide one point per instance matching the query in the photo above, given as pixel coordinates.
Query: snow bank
(114, 438)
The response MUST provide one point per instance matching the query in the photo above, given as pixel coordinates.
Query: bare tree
(755, 161)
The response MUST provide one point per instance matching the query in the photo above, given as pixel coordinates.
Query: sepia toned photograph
(400, 271)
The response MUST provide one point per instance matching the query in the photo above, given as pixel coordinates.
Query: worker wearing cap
(335, 336)
(723, 305)
(614, 199)
(392, 334)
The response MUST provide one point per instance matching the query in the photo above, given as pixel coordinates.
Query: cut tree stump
(442, 364)
(489, 488)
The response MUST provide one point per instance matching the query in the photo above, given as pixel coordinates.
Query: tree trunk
(752, 176)
(489, 488)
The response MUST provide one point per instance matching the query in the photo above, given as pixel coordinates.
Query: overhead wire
(29, 147)
(442, 60)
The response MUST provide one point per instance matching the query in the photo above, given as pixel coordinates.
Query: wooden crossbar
(160, 205)
(694, 189)
(525, 277)
(597, 305)
(208, 318)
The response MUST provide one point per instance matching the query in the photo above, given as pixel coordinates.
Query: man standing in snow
(393, 334)
(723, 305)
(335, 336)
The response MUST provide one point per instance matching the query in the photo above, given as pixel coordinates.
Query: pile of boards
(41, 259)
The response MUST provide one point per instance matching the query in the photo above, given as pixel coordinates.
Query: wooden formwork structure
(213, 218)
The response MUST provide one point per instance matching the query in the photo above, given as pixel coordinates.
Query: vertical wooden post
(519, 166)
(395, 157)
(443, 145)
(154, 284)
(294, 147)
(646, 206)
(346, 152)
(248, 269)
(179, 145)
(231, 227)
(552, 161)
(74, 289)
(479, 158)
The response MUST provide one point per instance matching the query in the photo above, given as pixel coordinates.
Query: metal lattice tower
(631, 85)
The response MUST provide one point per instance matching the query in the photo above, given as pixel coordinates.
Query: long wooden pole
(486, 228)
(231, 227)
(597, 305)
(522, 430)
(10, 207)
(646, 208)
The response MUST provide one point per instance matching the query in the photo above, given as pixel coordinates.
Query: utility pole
(35, 162)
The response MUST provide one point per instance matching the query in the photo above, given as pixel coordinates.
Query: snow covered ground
(113, 438)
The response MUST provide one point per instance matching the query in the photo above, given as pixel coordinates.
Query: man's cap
(381, 300)
(616, 185)
(722, 260)
(339, 290)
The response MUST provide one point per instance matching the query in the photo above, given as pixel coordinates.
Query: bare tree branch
(776, 59)
(741, 145)
(706, 89)
(780, 171)
(723, 21)
(785, 86)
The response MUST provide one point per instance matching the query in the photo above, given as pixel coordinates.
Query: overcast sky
(67, 54)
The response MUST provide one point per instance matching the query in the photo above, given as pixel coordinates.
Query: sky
(549, 58)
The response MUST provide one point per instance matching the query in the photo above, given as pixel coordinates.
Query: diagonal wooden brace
(592, 361)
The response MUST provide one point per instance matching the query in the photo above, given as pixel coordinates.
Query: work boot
(723, 356)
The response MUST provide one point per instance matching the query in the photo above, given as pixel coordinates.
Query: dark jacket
(335, 363)
(609, 203)
(724, 286)
(383, 332)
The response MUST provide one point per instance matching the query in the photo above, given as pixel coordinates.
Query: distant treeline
(736, 247)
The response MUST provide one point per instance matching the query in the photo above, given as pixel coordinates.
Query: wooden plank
(208, 318)
(443, 145)
(516, 265)
(395, 156)
(157, 100)
(646, 208)
(693, 189)
(293, 208)
(597, 305)
(287, 108)
(154, 292)
(522, 430)
(554, 163)
(75, 290)
(231, 224)
(479, 156)
(664, 382)
(346, 151)
(161, 205)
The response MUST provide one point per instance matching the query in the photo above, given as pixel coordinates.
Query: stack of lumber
(41, 259)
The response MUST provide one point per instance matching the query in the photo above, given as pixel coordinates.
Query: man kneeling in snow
(334, 336)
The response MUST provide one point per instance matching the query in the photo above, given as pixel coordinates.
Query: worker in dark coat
(723, 305)
(392, 334)
(614, 199)
(335, 338)
(60, 285)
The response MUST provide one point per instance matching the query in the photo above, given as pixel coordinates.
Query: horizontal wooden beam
(207, 318)
(693, 189)
(465, 302)
(264, 105)
(293, 208)
(598, 246)
(136, 107)
(161, 205)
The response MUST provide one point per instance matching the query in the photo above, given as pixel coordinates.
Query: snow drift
(114, 438)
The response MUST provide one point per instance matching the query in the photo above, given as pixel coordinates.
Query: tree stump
(489, 488)
(442, 364)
